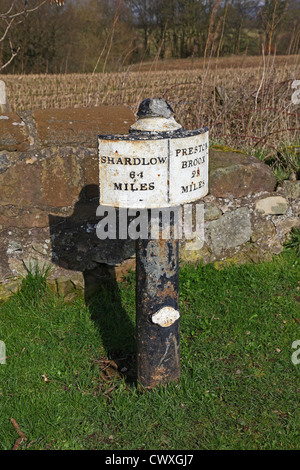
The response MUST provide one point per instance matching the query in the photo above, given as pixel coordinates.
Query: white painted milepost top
(158, 164)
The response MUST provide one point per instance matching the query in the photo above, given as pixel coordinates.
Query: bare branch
(8, 18)
(13, 55)
(4, 15)
(25, 11)
(7, 29)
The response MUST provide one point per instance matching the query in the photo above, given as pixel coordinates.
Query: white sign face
(153, 173)
(188, 168)
(133, 173)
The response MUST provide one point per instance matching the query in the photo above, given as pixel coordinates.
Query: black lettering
(133, 161)
(192, 187)
(151, 186)
(118, 186)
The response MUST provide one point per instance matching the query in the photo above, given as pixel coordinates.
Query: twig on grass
(22, 438)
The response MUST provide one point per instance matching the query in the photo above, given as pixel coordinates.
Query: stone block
(13, 133)
(236, 174)
(211, 212)
(291, 189)
(230, 230)
(53, 179)
(262, 230)
(64, 127)
(274, 205)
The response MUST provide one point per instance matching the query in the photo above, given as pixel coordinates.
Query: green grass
(284, 162)
(238, 389)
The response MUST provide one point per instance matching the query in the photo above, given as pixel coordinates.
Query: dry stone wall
(49, 195)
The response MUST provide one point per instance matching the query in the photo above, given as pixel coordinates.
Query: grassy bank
(68, 381)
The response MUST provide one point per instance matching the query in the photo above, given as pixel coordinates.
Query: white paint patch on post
(2, 93)
(165, 317)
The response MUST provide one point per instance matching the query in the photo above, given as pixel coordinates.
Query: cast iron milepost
(157, 280)
(157, 311)
(158, 165)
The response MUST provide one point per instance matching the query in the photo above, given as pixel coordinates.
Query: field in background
(241, 61)
(245, 101)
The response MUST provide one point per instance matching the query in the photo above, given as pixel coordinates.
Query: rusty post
(157, 166)
(157, 306)
(157, 279)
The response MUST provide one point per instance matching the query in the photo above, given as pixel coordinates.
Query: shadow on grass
(72, 238)
(115, 327)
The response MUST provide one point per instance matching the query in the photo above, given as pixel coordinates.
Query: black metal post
(157, 287)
